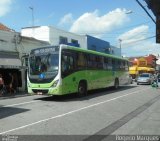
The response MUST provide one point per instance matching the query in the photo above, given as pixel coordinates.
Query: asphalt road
(130, 110)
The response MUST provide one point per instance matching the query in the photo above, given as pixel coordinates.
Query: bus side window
(91, 61)
(99, 61)
(126, 66)
(81, 60)
(105, 63)
(64, 63)
(67, 64)
(113, 64)
(121, 65)
(118, 65)
(110, 64)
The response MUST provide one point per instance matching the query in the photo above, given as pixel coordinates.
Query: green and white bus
(60, 70)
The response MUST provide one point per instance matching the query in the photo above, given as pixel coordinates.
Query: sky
(116, 21)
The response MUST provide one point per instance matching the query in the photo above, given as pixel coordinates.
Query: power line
(119, 29)
(146, 11)
(141, 40)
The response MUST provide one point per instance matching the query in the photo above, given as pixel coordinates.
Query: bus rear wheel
(116, 84)
(82, 89)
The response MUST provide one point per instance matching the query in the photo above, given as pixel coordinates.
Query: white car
(145, 78)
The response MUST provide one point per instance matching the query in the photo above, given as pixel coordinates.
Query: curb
(13, 96)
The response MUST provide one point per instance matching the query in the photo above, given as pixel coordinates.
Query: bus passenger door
(68, 72)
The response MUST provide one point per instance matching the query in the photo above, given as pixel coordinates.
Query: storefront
(146, 70)
(11, 65)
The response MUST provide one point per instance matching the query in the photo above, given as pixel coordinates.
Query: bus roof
(95, 52)
(81, 50)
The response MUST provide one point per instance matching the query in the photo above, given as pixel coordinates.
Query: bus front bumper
(45, 91)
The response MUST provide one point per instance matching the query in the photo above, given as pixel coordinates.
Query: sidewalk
(18, 94)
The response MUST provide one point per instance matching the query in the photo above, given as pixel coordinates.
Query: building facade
(142, 64)
(57, 36)
(97, 44)
(13, 47)
(54, 36)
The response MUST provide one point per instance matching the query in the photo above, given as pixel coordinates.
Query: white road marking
(71, 112)
(12, 105)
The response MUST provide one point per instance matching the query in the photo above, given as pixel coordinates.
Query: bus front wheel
(82, 89)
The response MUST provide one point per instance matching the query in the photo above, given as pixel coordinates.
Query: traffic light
(158, 29)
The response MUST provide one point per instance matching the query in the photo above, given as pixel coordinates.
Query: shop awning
(142, 68)
(10, 63)
(151, 69)
(133, 68)
(145, 69)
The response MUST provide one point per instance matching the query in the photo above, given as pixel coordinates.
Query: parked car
(145, 78)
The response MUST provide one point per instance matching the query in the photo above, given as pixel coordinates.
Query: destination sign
(44, 50)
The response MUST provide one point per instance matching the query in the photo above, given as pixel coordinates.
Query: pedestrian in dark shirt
(1, 84)
(13, 83)
(156, 75)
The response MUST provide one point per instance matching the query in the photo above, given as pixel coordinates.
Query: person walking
(10, 88)
(1, 85)
(156, 75)
(15, 82)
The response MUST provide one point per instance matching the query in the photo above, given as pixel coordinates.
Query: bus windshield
(46, 64)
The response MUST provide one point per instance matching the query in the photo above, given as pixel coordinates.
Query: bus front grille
(40, 91)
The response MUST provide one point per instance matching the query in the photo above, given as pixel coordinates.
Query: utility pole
(32, 9)
(120, 46)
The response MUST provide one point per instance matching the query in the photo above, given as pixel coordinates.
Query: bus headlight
(55, 83)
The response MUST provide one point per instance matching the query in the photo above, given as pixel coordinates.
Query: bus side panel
(100, 79)
(70, 83)
(123, 77)
(95, 79)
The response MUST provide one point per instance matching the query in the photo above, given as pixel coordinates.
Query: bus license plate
(39, 93)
